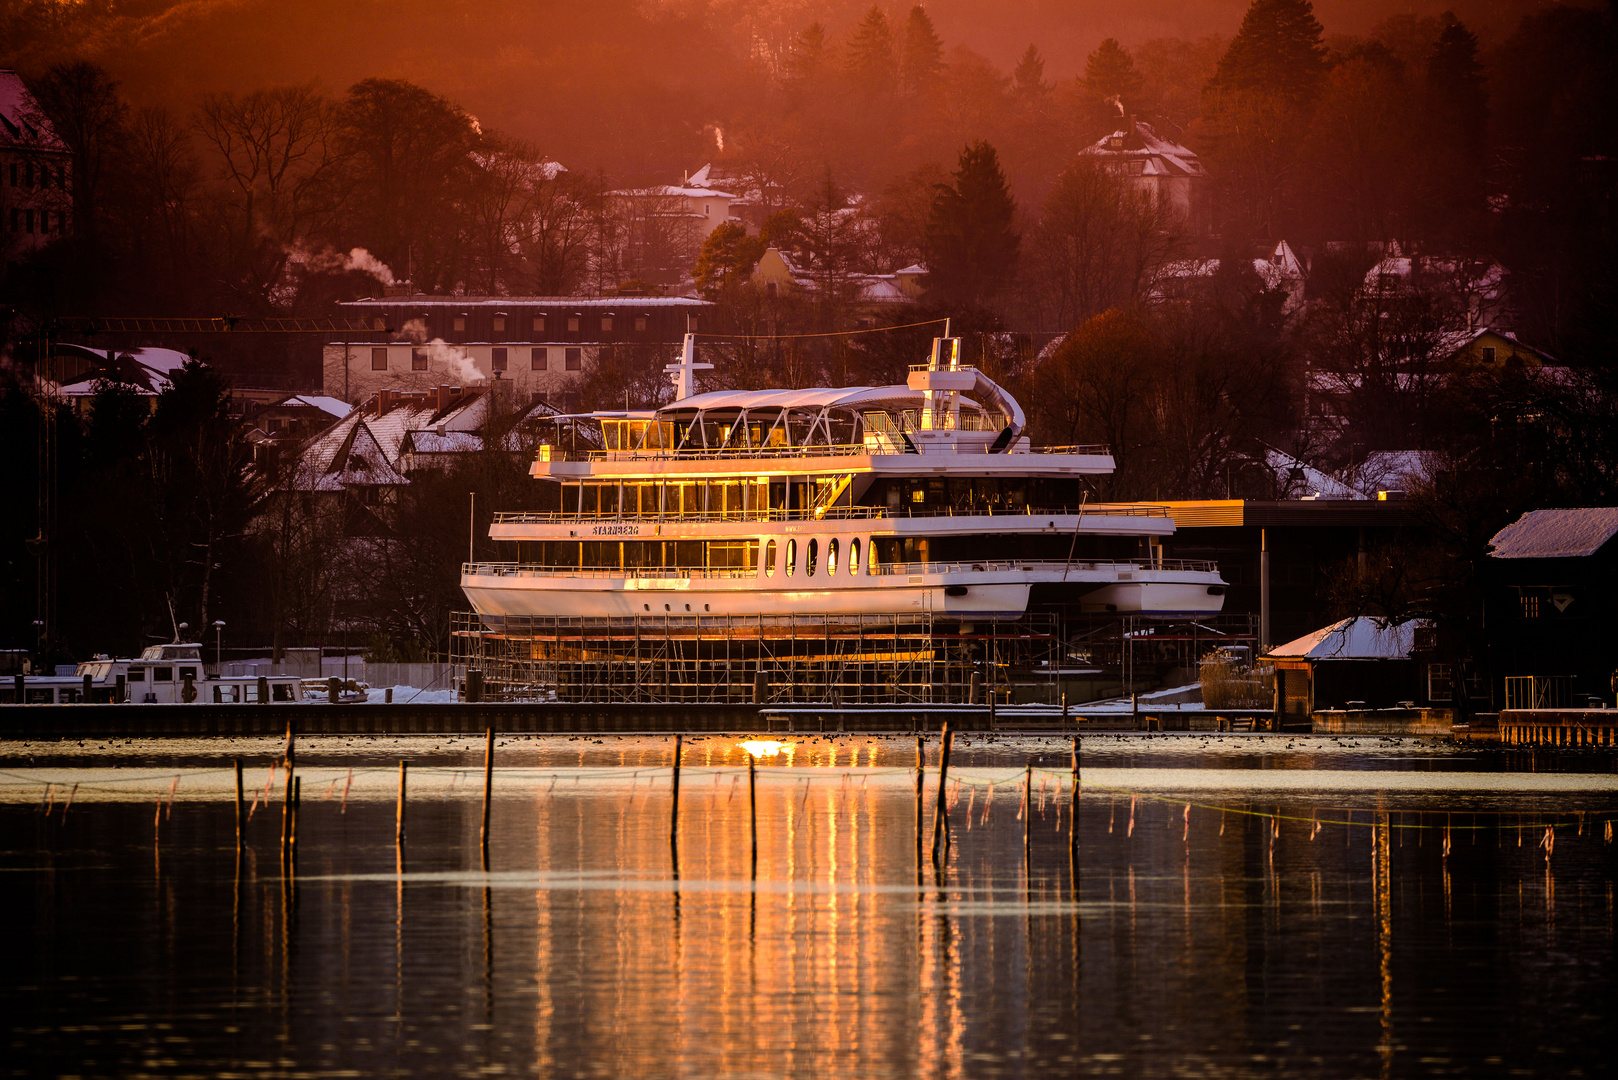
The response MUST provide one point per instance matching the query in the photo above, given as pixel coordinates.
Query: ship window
(137, 674)
(769, 559)
(281, 692)
(831, 556)
(809, 558)
(188, 673)
(854, 556)
(792, 558)
(163, 674)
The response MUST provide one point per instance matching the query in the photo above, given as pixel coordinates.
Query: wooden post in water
(398, 821)
(752, 808)
(940, 828)
(238, 805)
(674, 807)
(488, 791)
(1073, 811)
(1027, 809)
(263, 690)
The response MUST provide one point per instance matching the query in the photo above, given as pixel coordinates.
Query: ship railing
(858, 513)
(881, 445)
(959, 566)
(962, 566)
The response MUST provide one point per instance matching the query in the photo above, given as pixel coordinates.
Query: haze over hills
(624, 86)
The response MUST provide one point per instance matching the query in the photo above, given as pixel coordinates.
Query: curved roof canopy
(814, 398)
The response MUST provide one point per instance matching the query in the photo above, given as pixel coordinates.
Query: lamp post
(218, 664)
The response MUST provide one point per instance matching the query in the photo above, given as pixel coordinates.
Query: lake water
(1239, 906)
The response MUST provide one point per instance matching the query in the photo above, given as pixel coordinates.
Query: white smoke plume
(454, 359)
(334, 262)
(360, 259)
(416, 331)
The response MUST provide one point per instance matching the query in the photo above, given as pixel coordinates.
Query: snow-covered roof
(1160, 156)
(333, 406)
(1452, 343)
(1318, 484)
(1565, 533)
(21, 122)
(451, 442)
(147, 372)
(1360, 638)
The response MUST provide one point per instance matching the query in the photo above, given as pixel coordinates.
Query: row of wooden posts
(940, 831)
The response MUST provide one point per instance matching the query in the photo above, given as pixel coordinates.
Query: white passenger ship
(885, 500)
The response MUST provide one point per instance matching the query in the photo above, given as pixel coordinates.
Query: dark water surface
(1343, 908)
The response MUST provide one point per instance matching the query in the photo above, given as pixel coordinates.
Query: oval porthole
(792, 558)
(854, 556)
(769, 559)
(809, 558)
(831, 556)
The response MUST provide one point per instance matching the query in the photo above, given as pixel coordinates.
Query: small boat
(165, 674)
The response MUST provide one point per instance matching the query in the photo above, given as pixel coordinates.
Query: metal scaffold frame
(860, 659)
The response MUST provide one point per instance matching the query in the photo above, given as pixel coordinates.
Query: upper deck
(926, 426)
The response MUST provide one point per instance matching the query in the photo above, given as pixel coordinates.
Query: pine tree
(809, 56)
(971, 248)
(1277, 49)
(872, 61)
(1028, 79)
(1455, 89)
(923, 55)
(1110, 72)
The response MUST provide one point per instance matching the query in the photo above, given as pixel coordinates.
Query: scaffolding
(763, 659)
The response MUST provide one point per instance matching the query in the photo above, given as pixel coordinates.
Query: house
(1551, 587)
(543, 347)
(1477, 285)
(1171, 174)
(655, 233)
(289, 420)
(779, 271)
(144, 372)
(36, 174)
(1278, 269)
(1357, 663)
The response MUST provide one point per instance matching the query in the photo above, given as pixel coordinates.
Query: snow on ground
(409, 695)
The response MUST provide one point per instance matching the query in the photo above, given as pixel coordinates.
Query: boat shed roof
(1359, 638)
(1563, 533)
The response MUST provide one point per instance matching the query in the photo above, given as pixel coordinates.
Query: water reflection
(1241, 930)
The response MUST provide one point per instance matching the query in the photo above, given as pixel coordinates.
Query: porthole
(792, 558)
(831, 556)
(854, 556)
(809, 558)
(769, 559)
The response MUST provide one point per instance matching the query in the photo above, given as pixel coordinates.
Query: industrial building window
(640, 324)
(606, 324)
(1530, 607)
(539, 358)
(574, 359)
(379, 359)
(459, 324)
(537, 397)
(499, 324)
(573, 324)
(539, 324)
(497, 359)
(418, 359)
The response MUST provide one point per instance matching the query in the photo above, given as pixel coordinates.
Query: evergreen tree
(872, 61)
(1455, 89)
(923, 57)
(809, 56)
(1278, 49)
(727, 259)
(971, 247)
(1110, 72)
(1028, 79)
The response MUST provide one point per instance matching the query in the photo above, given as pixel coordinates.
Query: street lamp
(218, 664)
